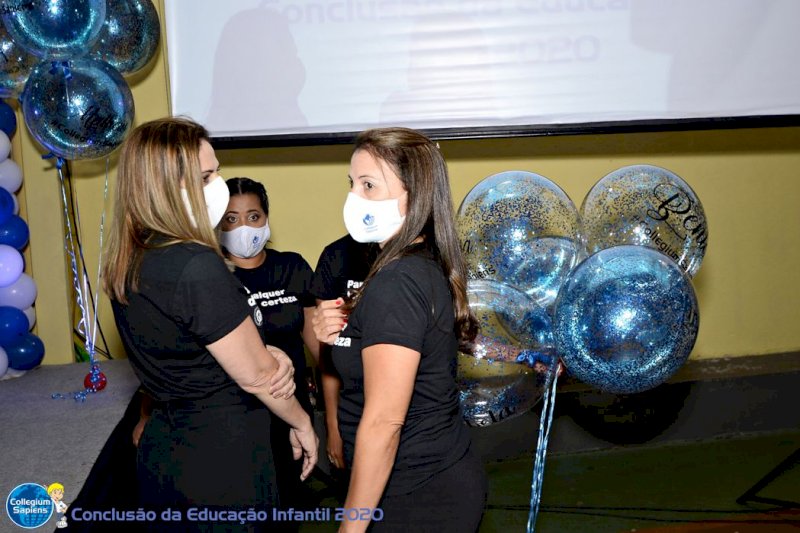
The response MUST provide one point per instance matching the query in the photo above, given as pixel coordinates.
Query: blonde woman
(186, 326)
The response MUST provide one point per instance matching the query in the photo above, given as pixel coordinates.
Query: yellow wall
(748, 181)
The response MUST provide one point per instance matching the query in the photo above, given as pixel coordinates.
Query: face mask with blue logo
(371, 220)
(245, 241)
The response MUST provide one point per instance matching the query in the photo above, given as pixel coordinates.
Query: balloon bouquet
(20, 350)
(66, 61)
(606, 290)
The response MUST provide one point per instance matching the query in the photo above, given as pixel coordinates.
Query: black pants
(453, 501)
(209, 454)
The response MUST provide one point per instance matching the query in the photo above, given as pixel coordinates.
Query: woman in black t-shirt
(396, 352)
(186, 327)
(277, 286)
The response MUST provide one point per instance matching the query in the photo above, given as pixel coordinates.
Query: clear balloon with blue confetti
(520, 228)
(650, 206)
(81, 109)
(626, 319)
(512, 358)
(15, 66)
(55, 29)
(130, 35)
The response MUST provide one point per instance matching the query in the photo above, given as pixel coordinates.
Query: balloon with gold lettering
(648, 206)
(512, 357)
(54, 29)
(130, 35)
(81, 109)
(520, 228)
(626, 319)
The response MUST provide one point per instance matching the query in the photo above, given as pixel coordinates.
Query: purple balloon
(20, 294)
(11, 265)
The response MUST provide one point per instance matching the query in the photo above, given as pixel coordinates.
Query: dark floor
(675, 458)
(678, 487)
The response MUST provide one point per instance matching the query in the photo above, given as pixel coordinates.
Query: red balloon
(99, 385)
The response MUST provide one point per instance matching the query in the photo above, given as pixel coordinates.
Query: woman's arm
(331, 385)
(249, 363)
(389, 375)
(309, 337)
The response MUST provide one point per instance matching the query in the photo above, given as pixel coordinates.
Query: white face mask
(216, 196)
(245, 241)
(371, 220)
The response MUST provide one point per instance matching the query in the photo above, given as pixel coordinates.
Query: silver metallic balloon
(626, 319)
(522, 229)
(55, 29)
(130, 35)
(15, 65)
(648, 206)
(513, 356)
(78, 110)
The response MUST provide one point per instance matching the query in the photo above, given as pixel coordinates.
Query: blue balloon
(14, 232)
(55, 29)
(520, 228)
(130, 35)
(78, 110)
(8, 118)
(15, 66)
(626, 319)
(25, 353)
(6, 206)
(13, 323)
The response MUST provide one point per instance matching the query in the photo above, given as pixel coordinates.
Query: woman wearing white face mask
(278, 285)
(186, 327)
(399, 414)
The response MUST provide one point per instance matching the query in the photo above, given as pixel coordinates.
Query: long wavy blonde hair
(156, 161)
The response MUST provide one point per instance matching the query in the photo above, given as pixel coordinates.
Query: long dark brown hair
(420, 166)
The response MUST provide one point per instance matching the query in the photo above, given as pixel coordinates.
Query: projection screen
(300, 71)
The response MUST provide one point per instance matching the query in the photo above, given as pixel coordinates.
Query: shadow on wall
(274, 74)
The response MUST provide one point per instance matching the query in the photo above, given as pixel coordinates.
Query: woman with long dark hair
(399, 416)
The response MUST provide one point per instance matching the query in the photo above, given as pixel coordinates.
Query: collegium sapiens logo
(29, 505)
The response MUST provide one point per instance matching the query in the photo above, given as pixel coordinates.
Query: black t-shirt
(342, 266)
(408, 303)
(277, 293)
(187, 299)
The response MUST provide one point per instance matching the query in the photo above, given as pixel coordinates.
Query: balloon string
(76, 277)
(91, 344)
(100, 253)
(545, 424)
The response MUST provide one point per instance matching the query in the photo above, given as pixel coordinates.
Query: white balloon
(30, 313)
(5, 146)
(10, 176)
(3, 361)
(16, 204)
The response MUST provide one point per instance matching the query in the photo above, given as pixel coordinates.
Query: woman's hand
(335, 447)
(305, 444)
(328, 320)
(281, 385)
(138, 429)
